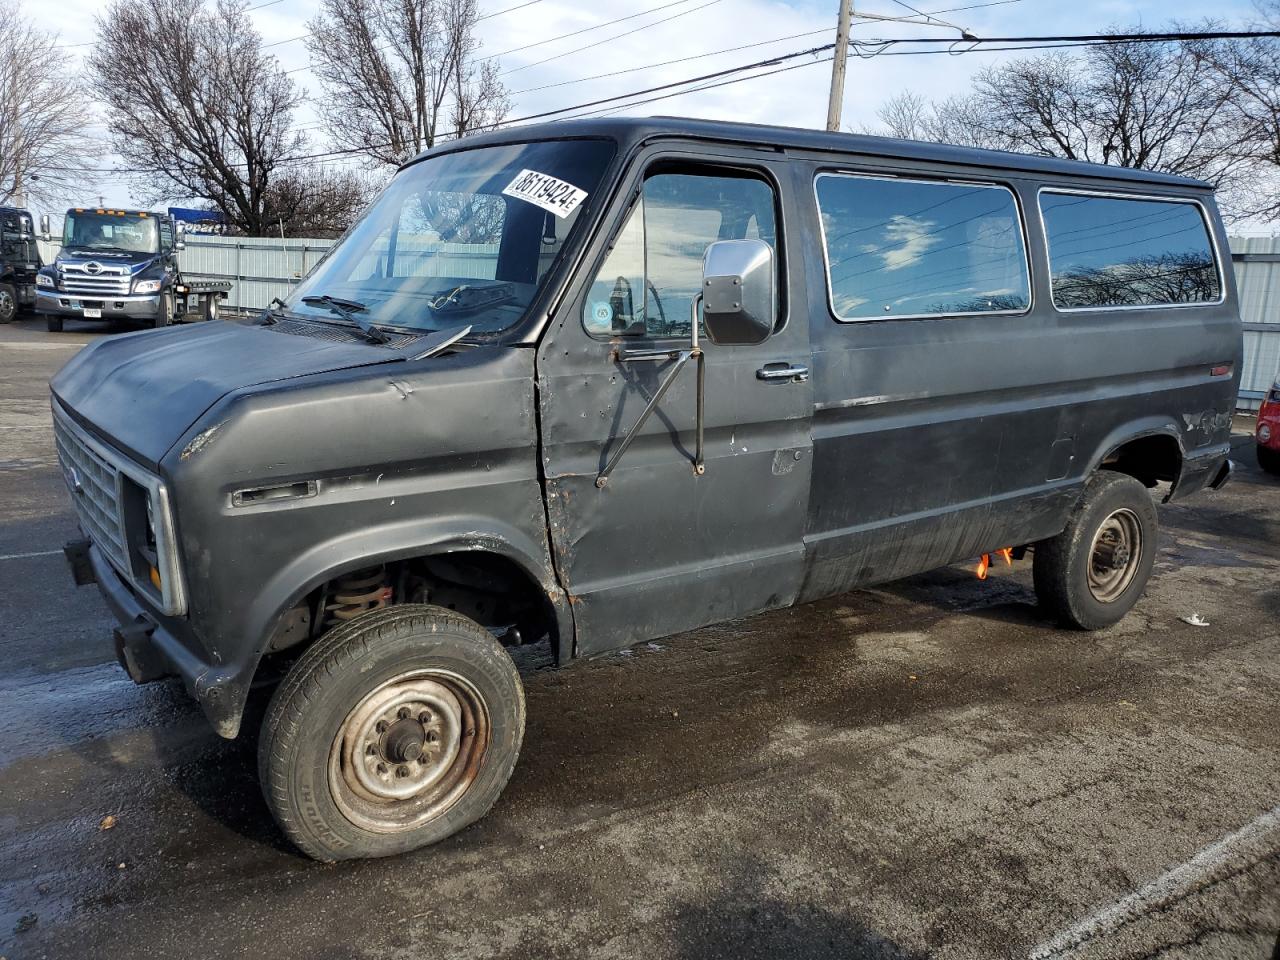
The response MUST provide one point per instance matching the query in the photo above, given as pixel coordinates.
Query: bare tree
(197, 109)
(43, 144)
(1252, 68)
(318, 201)
(1158, 106)
(399, 74)
(955, 120)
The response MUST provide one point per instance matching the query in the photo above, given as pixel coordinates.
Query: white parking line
(1250, 843)
(27, 556)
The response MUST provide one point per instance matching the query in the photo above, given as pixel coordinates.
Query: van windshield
(462, 239)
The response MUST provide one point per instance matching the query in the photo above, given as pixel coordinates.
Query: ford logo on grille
(93, 267)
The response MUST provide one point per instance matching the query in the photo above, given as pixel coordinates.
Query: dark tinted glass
(901, 248)
(1115, 252)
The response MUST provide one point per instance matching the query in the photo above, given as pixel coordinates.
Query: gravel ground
(926, 769)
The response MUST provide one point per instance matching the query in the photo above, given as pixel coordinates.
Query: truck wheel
(1094, 571)
(54, 324)
(1269, 460)
(211, 307)
(8, 303)
(391, 732)
(164, 312)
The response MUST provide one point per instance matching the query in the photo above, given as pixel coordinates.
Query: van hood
(142, 391)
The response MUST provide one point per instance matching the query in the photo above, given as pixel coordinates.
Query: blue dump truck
(122, 265)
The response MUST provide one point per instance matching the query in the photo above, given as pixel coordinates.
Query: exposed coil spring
(356, 594)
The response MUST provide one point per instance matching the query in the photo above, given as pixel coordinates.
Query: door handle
(783, 371)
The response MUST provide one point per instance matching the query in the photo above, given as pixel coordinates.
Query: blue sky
(690, 29)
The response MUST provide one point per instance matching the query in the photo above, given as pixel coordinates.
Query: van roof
(630, 131)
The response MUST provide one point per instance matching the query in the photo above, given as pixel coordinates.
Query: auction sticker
(545, 191)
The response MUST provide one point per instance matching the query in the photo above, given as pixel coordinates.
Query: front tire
(1092, 573)
(391, 732)
(164, 311)
(1268, 459)
(8, 303)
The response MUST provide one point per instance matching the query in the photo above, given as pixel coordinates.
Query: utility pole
(841, 57)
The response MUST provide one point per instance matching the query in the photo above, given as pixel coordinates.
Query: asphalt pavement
(922, 770)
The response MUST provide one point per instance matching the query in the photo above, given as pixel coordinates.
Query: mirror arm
(681, 357)
(699, 461)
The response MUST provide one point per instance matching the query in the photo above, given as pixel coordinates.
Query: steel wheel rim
(377, 781)
(8, 306)
(1115, 555)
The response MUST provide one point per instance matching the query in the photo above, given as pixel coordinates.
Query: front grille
(105, 491)
(109, 280)
(95, 492)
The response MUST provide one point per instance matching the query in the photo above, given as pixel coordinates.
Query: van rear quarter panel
(935, 440)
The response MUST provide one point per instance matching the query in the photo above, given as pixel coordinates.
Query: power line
(598, 26)
(280, 43)
(729, 75)
(745, 46)
(617, 36)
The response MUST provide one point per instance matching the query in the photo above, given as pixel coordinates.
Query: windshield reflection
(461, 239)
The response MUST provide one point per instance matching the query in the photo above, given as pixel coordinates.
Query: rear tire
(1092, 573)
(8, 303)
(211, 307)
(391, 732)
(1268, 459)
(52, 323)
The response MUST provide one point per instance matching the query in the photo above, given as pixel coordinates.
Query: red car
(1268, 431)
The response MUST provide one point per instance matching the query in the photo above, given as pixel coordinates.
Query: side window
(647, 284)
(1121, 252)
(166, 235)
(919, 248)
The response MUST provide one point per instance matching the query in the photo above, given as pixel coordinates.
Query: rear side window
(921, 248)
(1127, 252)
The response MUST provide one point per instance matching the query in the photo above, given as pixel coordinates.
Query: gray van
(597, 382)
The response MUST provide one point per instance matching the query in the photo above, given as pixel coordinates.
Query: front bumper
(74, 304)
(147, 647)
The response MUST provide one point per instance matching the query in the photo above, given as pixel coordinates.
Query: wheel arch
(1148, 450)
(363, 549)
(334, 558)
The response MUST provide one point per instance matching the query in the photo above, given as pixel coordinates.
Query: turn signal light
(155, 578)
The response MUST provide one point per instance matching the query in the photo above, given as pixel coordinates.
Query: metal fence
(260, 268)
(1257, 264)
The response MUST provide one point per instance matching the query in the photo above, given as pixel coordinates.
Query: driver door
(659, 548)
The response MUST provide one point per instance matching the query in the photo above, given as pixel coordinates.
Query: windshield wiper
(349, 311)
(274, 312)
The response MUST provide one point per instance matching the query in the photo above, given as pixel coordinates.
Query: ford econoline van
(597, 382)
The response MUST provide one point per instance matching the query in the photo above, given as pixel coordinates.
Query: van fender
(1137, 430)
(400, 541)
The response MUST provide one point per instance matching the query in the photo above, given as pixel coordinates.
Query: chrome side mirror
(44, 227)
(738, 302)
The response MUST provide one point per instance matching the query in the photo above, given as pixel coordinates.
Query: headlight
(147, 286)
(1264, 432)
(44, 280)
